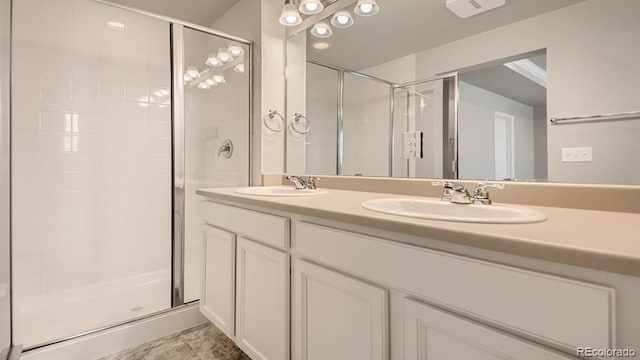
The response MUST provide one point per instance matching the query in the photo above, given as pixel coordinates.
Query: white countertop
(602, 240)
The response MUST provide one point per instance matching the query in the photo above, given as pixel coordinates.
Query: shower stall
(359, 122)
(117, 116)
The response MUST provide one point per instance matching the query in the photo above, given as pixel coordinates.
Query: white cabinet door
(262, 301)
(337, 317)
(217, 290)
(431, 334)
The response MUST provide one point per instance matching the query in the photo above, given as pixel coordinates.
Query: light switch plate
(411, 142)
(577, 154)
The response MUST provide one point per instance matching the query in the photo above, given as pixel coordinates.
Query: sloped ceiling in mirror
(402, 27)
(201, 12)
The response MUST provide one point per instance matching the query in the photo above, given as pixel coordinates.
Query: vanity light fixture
(213, 61)
(321, 45)
(310, 7)
(239, 68)
(204, 86)
(290, 15)
(321, 30)
(342, 19)
(235, 50)
(219, 79)
(224, 56)
(366, 7)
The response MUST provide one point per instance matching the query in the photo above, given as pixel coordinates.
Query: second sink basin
(444, 210)
(279, 191)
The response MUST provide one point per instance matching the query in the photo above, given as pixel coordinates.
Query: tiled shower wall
(91, 160)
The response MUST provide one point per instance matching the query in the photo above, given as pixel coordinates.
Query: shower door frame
(177, 124)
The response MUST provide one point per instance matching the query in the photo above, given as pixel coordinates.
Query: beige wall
(592, 60)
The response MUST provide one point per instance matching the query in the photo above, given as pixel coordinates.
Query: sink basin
(279, 191)
(444, 210)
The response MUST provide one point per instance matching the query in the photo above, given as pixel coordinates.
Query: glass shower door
(91, 167)
(216, 132)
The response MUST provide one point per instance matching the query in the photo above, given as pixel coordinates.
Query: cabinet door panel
(217, 291)
(431, 334)
(338, 317)
(262, 301)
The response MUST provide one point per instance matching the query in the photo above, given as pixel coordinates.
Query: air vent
(468, 8)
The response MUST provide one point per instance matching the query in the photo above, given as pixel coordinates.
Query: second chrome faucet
(458, 194)
(301, 184)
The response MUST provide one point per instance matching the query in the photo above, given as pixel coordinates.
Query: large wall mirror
(533, 90)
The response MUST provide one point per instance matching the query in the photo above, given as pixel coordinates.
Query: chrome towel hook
(300, 119)
(269, 118)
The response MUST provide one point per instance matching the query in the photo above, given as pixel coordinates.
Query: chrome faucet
(453, 192)
(301, 184)
(458, 194)
(481, 195)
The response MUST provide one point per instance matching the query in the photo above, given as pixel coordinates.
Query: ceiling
(201, 12)
(501, 80)
(403, 27)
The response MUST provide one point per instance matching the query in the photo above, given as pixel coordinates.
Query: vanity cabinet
(336, 316)
(245, 278)
(349, 293)
(262, 306)
(432, 334)
(217, 288)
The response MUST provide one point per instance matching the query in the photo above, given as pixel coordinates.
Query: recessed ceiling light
(342, 19)
(321, 30)
(321, 45)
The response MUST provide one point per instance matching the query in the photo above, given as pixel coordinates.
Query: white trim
(120, 338)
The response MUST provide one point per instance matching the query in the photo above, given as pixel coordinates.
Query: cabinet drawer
(268, 229)
(560, 311)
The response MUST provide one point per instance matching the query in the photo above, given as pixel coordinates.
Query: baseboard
(103, 343)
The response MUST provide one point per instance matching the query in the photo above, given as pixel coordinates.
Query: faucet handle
(481, 195)
(298, 181)
(311, 182)
(453, 191)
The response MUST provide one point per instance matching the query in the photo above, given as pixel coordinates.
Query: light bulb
(210, 82)
(213, 61)
(224, 56)
(235, 50)
(187, 78)
(239, 68)
(193, 72)
(219, 79)
(342, 19)
(290, 15)
(321, 30)
(310, 7)
(204, 85)
(366, 7)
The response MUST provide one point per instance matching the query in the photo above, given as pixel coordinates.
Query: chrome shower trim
(179, 22)
(178, 164)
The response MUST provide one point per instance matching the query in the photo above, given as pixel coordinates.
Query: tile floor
(203, 342)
